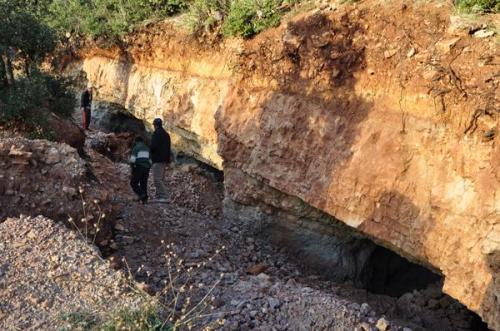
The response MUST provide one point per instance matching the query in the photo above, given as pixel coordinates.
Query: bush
(108, 18)
(206, 14)
(24, 38)
(249, 17)
(243, 18)
(30, 101)
(478, 6)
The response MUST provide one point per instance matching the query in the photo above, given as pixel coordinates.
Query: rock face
(38, 177)
(367, 121)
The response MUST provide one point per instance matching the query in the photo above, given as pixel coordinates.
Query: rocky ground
(203, 268)
(49, 273)
(256, 286)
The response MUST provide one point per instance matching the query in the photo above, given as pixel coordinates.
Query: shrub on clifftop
(107, 18)
(248, 17)
(478, 6)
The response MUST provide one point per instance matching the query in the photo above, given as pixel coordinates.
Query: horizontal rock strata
(350, 112)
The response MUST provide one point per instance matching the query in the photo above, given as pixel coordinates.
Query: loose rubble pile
(38, 177)
(48, 272)
(115, 146)
(260, 288)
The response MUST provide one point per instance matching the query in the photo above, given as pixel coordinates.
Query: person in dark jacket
(160, 156)
(86, 106)
(140, 162)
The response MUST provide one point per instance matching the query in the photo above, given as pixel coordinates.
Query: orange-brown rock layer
(384, 116)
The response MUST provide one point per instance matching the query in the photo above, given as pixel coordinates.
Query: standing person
(160, 155)
(141, 163)
(86, 106)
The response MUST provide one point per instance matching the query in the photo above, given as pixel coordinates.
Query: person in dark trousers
(160, 155)
(141, 163)
(86, 106)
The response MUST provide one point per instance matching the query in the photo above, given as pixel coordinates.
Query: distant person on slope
(141, 163)
(160, 155)
(86, 106)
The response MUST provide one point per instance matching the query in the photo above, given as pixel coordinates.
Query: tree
(22, 35)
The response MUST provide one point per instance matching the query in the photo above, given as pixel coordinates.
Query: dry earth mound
(38, 177)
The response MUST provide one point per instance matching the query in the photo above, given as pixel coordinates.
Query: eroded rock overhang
(347, 113)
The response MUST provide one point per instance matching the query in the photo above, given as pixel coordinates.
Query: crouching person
(141, 163)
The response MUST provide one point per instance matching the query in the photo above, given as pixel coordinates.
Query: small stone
(445, 46)
(484, 33)
(411, 52)
(365, 309)
(70, 191)
(431, 74)
(364, 327)
(273, 303)
(390, 53)
(32, 235)
(53, 156)
(264, 280)
(120, 227)
(462, 25)
(257, 269)
(382, 324)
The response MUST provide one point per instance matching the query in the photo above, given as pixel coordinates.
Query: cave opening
(114, 118)
(386, 272)
(418, 289)
(359, 268)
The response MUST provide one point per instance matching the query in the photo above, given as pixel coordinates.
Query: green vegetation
(107, 18)
(249, 17)
(478, 6)
(30, 100)
(27, 95)
(207, 14)
(114, 18)
(143, 319)
(244, 18)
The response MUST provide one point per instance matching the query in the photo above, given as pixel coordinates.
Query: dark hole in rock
(114, 118)
(477, 324)
(388, 273)
(357, 267)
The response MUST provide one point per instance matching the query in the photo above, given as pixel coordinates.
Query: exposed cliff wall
(383, 116)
